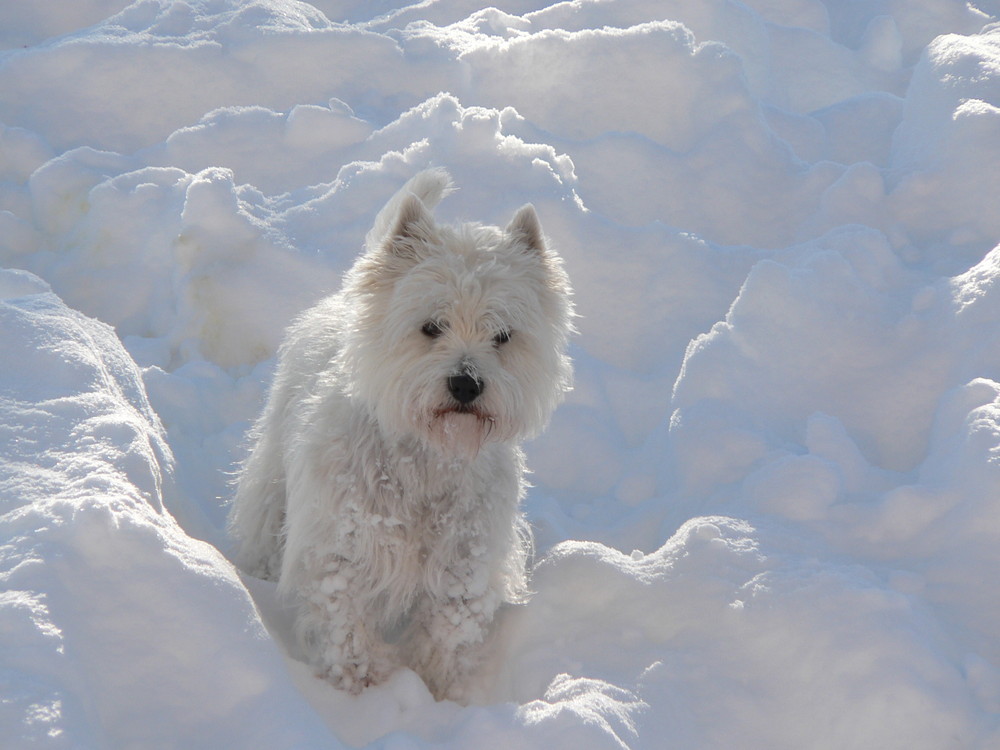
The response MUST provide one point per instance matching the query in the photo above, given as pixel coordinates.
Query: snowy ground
(767, 517)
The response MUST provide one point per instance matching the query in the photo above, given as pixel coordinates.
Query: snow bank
(119, 630)
(727, 633)
(766, 515)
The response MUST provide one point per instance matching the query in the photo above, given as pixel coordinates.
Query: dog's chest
(428, 509)
(426, 500)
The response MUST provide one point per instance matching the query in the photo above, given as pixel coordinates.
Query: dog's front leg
(451, 628)
(336, 628)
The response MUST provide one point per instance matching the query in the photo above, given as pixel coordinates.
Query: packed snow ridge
(768, 516)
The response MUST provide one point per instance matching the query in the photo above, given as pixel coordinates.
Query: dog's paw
(352, 677)
(349, 678)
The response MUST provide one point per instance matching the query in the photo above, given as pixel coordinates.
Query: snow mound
(727, 619)
(115, 622)
(766, 516)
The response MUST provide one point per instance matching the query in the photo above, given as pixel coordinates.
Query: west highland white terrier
(383, 488)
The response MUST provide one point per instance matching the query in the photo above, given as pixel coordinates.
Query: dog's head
(460, 332)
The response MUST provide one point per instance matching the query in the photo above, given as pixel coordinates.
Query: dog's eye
(501, 338)
(432, 329)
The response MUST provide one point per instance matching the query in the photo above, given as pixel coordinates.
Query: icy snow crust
(767, 517)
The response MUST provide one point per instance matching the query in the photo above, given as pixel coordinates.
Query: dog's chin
(460, 433)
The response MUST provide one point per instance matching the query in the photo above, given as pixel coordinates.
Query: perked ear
(414, 223)
(525, 225)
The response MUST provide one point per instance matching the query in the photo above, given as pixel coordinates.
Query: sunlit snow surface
(767, 517)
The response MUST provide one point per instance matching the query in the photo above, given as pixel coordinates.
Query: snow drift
(767, 515)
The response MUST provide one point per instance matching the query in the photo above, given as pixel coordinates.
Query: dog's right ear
(392, 252)
(414, 226)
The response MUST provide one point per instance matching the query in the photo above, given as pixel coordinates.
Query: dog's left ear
(525, 225)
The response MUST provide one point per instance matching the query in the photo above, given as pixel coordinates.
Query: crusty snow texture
(767, 517)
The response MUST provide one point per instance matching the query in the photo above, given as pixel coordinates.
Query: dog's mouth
(464, 409)
(486, 421)
(461, 429)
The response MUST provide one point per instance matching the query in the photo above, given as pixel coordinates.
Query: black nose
(464, 388)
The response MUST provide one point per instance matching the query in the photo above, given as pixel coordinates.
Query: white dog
(383, 487)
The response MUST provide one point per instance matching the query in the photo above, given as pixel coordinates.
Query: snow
(766, 517)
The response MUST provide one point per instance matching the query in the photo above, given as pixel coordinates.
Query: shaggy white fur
(383, 487)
